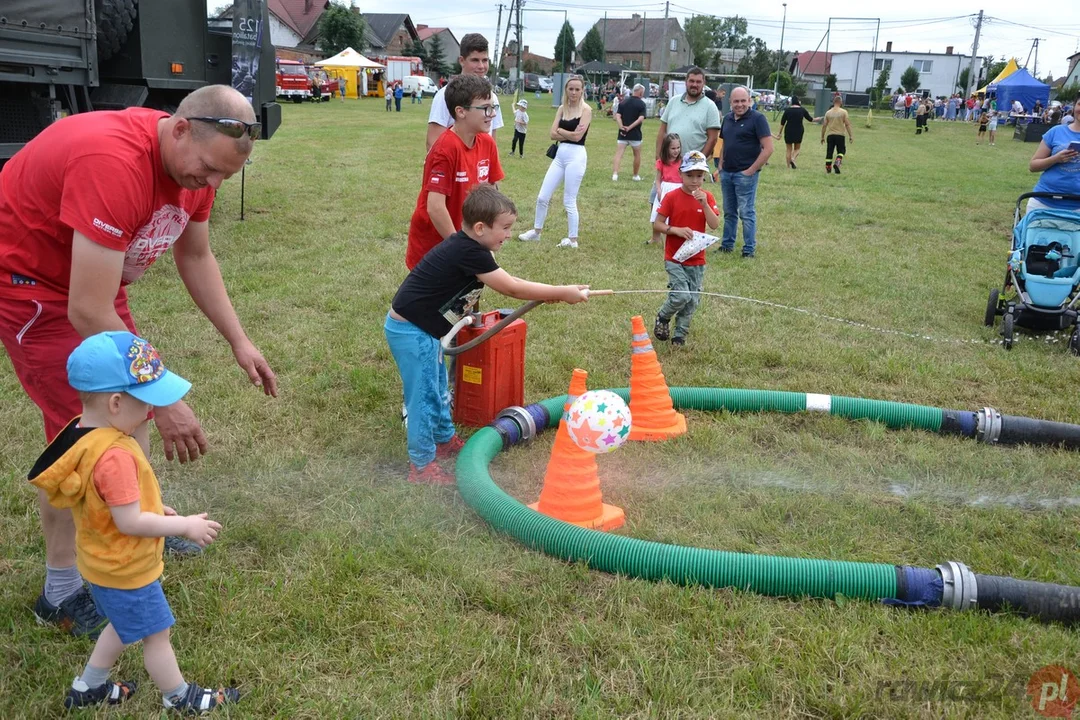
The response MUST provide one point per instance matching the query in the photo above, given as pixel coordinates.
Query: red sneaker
(430, 474)
(450, 448)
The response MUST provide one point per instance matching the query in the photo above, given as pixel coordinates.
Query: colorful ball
(598, 421)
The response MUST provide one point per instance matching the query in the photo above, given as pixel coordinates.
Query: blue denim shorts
(134, 614)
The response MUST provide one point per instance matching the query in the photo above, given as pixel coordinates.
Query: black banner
(247, 41)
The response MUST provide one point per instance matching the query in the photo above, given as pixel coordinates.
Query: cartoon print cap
(123, 362)
(694, 160)
(523, 103)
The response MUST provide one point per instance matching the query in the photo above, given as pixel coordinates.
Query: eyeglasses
(489, 110)
(232, 127)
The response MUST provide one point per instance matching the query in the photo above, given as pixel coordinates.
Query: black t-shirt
(443, 288)
(630, 110)
(795, 115)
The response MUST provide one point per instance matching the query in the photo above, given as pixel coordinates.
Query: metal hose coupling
(988, 425)
(960, 590)
(523, 419)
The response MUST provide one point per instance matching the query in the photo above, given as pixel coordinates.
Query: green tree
(785, 84)
(564, 47)
(962, 81)
(701, 36)
(830, 81)
(994, 68)
(731, 32)
(759, 62)
(592, 47)
(882, 82)
(339, 28)
(531, 65)
(436, 56)
(910, 79)
(417, 49)
(1069, 93)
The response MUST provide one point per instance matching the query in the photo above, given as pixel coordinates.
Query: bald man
(85, 208)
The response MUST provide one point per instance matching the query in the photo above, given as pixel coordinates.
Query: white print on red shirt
(482, 169)
(153, 240)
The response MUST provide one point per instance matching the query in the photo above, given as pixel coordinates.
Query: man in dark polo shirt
(629, 118)
(748, 144)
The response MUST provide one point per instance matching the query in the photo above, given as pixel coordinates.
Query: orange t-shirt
(116, 477)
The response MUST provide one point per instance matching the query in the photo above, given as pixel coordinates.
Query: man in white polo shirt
(474, 61)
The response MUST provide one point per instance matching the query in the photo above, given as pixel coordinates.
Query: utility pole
(521, 76)
(494, 69)
(666, 56)
(780, 56)
(972, 79)
(1035, 47)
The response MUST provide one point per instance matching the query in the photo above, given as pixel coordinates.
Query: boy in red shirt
(681, 213)
(460, 159)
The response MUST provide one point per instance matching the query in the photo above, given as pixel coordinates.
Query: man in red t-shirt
(460, 159)
(85, 208)
(683, 212)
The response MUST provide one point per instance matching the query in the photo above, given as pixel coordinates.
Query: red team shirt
(451, 169)
(682, 210)
(105, 180)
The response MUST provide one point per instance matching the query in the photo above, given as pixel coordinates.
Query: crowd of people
(89, 204)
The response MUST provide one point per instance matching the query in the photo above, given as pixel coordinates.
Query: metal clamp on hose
(989, 425)
(960, 590)
(522, 418)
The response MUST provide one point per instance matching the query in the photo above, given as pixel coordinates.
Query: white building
(938, 72)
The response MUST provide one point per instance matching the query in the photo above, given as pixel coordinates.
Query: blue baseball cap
(123, 362)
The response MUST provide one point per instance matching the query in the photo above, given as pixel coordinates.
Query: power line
(1033, 27)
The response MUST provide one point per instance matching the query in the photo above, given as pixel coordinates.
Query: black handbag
(551, 151)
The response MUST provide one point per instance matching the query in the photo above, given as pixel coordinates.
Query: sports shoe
(615, 177)
(839, 161)
(529, 236)
(567, 242)
(181, 547)
(836, 168)
(200, 701)
(430, 474)
(678, 341)
(111, 693)
(450, 448)
(636, 178)
(660, 328)
(77, 614)
(793, 165)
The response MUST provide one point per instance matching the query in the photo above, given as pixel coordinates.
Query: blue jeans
(423, 375)
(739, 192)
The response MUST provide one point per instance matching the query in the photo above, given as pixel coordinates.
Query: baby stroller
(1043, 273)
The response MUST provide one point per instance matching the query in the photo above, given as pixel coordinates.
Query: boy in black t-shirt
(438, 292)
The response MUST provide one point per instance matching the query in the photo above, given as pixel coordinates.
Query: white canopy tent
(350, 61)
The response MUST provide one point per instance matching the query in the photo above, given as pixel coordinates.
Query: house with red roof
(451, 48)
(812, 67)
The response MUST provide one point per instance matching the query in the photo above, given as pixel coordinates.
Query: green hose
(768, 575)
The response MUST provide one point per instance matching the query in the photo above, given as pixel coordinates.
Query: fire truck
(291, 81)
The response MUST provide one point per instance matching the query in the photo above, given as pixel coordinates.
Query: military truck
(60, 57)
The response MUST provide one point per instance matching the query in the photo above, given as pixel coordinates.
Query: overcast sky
(909, 28)
(934, 27)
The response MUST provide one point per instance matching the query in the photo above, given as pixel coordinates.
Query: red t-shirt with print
(682, 210)
(451, 169)
(99, 173)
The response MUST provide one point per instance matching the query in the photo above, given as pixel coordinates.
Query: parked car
(426, 85)
(532, 82)
(545, 84)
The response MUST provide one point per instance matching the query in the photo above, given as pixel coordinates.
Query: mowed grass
(338, 590)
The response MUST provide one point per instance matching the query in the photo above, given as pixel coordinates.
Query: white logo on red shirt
(102, 225)
(153, 239)
(461, 176)
(482, 169)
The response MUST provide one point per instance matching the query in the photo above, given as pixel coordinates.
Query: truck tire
(115, 18)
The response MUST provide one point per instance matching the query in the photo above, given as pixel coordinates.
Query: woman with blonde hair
(569, 129)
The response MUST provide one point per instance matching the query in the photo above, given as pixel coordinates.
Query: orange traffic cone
(571, 484)
(654, 417)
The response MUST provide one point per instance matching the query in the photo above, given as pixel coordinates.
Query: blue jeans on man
(740, 192)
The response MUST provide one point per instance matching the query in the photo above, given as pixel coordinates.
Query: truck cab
(291, 81)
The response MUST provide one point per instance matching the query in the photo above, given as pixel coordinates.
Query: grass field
(339, 590)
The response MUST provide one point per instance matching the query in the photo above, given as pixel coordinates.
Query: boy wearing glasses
(460, 159)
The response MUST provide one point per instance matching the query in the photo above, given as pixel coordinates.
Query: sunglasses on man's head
(232, 127)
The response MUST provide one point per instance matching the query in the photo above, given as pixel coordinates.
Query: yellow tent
(1008, 70)
(354, 67)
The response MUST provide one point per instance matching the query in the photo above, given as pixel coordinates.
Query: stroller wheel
(1007, 330)
(991, 307)
(1074, 341)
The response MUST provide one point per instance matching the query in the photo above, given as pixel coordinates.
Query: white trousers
(567, 168)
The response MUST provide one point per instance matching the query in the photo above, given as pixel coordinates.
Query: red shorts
(39, 338)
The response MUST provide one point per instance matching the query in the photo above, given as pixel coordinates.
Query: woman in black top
(791, 127)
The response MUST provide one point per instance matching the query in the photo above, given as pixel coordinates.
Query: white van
(426, 85)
